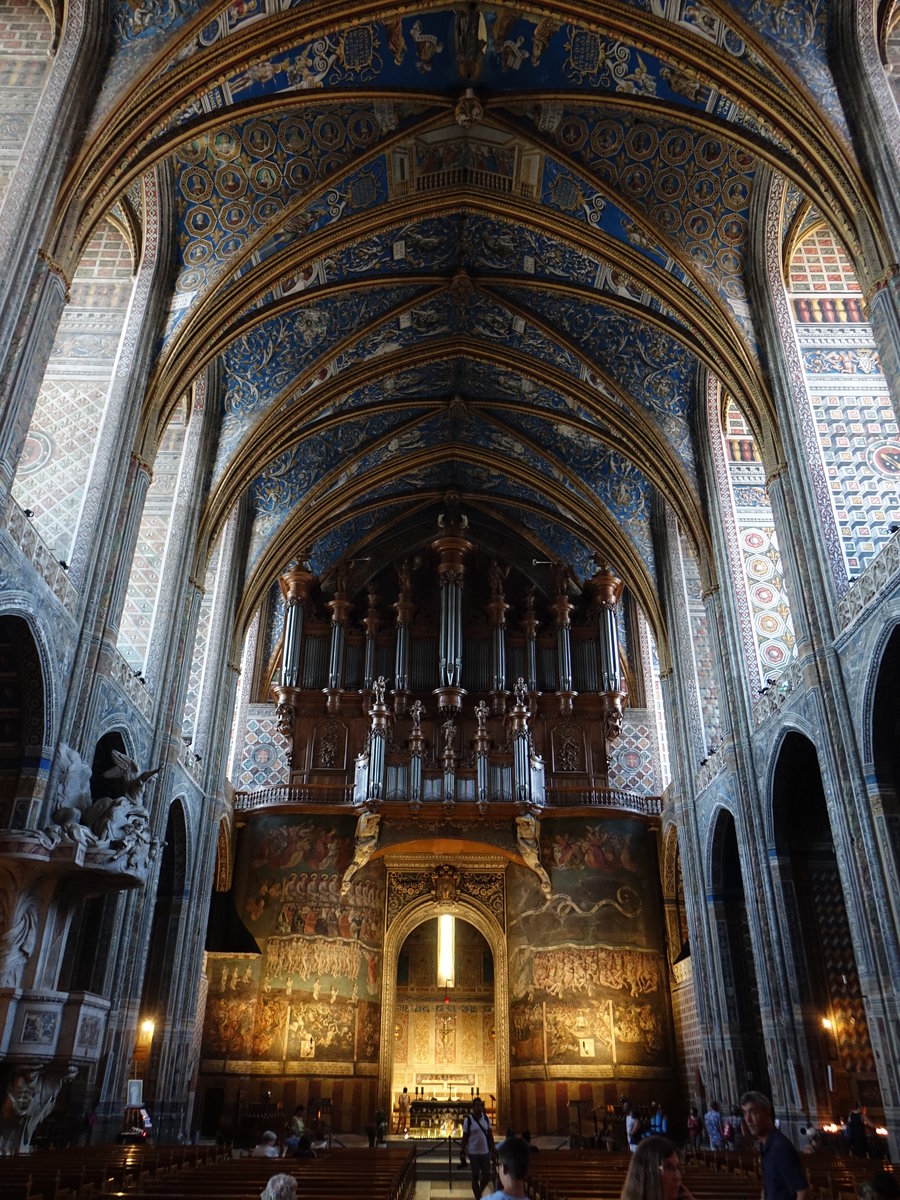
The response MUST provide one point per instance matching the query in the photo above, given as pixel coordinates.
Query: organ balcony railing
(556, 796)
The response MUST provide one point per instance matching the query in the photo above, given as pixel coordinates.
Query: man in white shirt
(478, 1144)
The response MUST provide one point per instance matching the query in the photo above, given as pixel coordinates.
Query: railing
(559, 796)
(588, 796)
(298, 793)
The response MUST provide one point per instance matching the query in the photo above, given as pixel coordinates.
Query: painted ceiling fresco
(469, 247)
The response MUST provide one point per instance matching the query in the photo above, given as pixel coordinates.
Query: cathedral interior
(449, 560)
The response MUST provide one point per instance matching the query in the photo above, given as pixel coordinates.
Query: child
(512, 1167)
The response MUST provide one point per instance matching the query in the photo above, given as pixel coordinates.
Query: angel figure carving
(120, 822)
(366, 840)
(528, 835)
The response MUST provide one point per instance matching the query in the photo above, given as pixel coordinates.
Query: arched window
(142, 595)
(752, 544)
(851, 428)
(53, 471)
(24, 67)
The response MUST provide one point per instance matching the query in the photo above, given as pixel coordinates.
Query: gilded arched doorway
(419, 892)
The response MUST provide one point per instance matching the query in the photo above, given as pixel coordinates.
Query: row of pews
(198, 1173)
(734, 1175)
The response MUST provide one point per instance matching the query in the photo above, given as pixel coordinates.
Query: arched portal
(886, 752)
(745, 1041)
(841, 1057)
(22, 720)
(468, 909)
(444, 1033)
(159, 978)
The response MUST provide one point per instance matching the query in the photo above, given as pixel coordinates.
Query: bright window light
(445, 950)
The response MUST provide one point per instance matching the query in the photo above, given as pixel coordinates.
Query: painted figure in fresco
(471, 41)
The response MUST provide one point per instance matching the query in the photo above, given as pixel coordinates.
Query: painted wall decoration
(856, 431)
(588, 983)
(313, 994)
(53, 471)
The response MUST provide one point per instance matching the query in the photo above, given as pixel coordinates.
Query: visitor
(513, 1155)
(267, 1146)
(296, 1129)
(659, 1122)
(478, 1146)
(280, 1187)
(694, 1129)
(305, 1147)
(403, 1112)
(632, 1128)
(655, 1172)
(526, 1136)
(856, 1133)
(782, 1171)
(715, 1130)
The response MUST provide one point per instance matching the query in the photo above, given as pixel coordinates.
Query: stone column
(48, 296)
(871, 112)
(27, 322)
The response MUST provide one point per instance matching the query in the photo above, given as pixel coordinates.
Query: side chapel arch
(426, 908)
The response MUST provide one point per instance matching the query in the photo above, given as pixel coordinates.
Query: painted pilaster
(26, 327)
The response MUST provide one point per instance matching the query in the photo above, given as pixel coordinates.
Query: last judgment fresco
(312, 994)
(587, 979)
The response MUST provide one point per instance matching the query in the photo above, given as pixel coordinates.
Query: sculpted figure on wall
(528, 840)
(31, 1093)
(114, 829)
(18, 932)
(364, 847)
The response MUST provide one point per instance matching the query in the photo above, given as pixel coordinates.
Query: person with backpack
(478, 1145)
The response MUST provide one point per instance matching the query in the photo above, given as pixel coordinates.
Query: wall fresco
(588, 983)
(313, 994)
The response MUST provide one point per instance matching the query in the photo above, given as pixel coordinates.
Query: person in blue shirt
(782, 1171)
(659, 1122)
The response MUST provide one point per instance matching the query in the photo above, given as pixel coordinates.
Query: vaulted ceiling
(482, 248)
